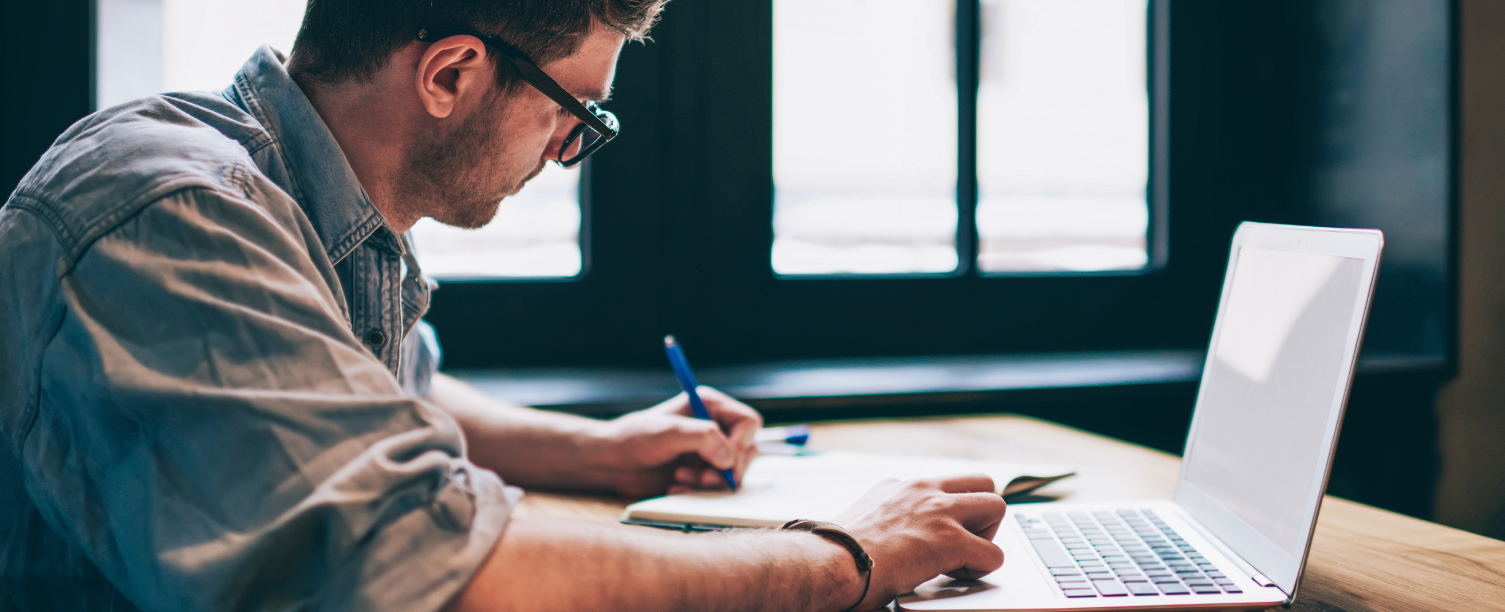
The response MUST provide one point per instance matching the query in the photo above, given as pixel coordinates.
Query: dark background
(1336, 112)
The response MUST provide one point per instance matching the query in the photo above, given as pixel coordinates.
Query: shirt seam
(360, 233)
(41, 208)
(77, 243)
(33, 409)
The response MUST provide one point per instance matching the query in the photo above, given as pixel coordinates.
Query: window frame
(680, 243)
(680, 215)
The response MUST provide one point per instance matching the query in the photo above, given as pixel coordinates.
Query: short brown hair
(343, 40)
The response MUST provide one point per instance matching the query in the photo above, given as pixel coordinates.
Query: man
(216, 391)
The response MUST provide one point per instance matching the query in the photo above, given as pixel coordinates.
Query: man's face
(460, 175)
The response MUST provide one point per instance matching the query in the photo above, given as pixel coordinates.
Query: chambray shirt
(211, 372)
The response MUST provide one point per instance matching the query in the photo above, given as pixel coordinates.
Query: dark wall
(46, 83)
(1471, 410)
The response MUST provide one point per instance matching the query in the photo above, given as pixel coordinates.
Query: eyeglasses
(596, 127)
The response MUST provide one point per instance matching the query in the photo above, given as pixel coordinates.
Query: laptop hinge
(1239, 561)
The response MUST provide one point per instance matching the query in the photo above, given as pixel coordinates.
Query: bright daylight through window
(1063, 136)
(151, 46)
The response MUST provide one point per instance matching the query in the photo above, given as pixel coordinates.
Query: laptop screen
(1268, 393)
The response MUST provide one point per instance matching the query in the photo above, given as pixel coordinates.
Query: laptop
(1256, 462)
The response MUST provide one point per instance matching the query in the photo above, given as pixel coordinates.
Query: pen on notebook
(687, 382)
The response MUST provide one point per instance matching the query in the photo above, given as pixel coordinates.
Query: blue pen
(687, 382)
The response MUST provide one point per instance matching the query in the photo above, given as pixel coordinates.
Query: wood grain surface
(1362, 558)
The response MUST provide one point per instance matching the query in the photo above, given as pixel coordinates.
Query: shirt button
(376, 338)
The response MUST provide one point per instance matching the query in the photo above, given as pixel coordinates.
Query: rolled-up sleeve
(212, 435)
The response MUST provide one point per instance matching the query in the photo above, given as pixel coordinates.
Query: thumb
(703, 438)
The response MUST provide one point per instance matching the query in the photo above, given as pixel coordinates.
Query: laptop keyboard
(1120, 554)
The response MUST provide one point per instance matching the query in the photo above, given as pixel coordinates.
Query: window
(864, 143)
(150, 46)
(1063, 143)
(865, 146)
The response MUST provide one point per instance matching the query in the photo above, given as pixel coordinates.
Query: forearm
(526, 446)
(550, 564)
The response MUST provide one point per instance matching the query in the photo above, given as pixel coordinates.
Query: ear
(450, 70)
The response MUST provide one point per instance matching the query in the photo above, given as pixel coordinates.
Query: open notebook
(779, 488)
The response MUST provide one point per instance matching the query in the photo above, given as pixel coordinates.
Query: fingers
(737, 423)
(967, 483)
(740, 422)
(701, 438)
(979, 558)
(979, 513)
(694, 475)
(729, 412)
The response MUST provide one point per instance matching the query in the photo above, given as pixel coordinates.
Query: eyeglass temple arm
(545, 84)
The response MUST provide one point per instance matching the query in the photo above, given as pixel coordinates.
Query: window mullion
(968, 61)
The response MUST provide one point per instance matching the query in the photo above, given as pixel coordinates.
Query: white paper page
(779, 488)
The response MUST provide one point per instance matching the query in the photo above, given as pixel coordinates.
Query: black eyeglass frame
(589, 114)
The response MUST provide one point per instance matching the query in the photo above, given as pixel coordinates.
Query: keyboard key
(1232, 588)
(1075, 584)
(1100, 575)
(1205, 589)
(1173, 588)
(1142, 588)
(1110, 588)
(1079, 593)
(1165, 579)
(1065, 571)
(1052, 554)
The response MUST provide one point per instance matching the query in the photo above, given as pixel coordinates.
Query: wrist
(597, 451)
(851, 566)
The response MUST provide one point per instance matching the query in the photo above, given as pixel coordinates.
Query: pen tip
(669, 340)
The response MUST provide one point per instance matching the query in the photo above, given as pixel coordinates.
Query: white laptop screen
(1268, 393)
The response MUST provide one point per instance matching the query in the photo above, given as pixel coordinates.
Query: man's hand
(648, 452)
(665, 448)
(918, 529)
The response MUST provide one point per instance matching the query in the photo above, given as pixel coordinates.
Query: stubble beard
(445, 175)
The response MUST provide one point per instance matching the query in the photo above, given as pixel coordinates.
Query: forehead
(588, 73)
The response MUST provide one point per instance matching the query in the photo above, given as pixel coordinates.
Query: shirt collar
(322, 180)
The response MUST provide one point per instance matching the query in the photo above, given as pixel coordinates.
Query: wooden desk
(1363, 558)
